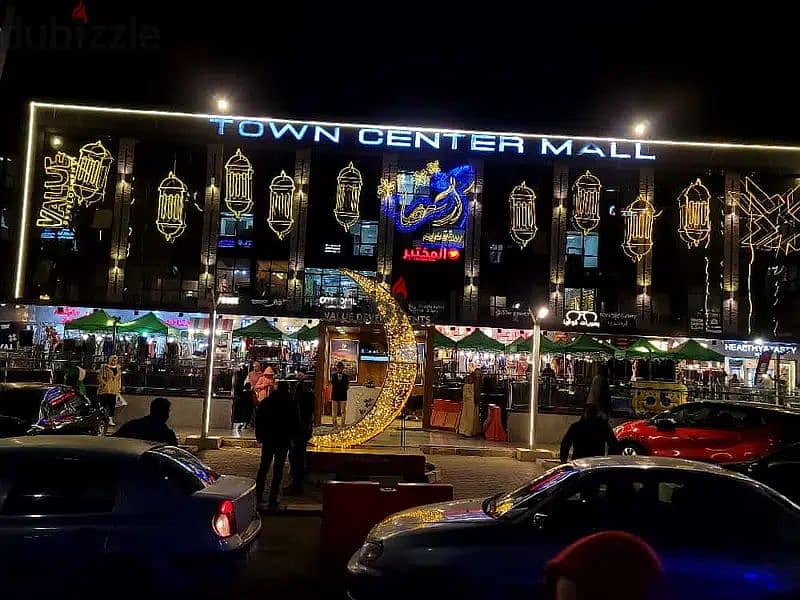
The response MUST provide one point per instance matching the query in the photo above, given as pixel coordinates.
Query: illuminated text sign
(751, 348)
(416, 139)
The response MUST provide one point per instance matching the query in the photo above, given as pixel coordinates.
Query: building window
(586, 246)
(495, 303)
(232, 274)
(580, 298)
(496, 253)
(365, 238)
(271, 278)
(329, 288)
(235, 233)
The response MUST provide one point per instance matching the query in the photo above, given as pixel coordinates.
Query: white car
(117, 516)
(720, 535)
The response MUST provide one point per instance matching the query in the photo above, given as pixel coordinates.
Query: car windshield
(502, 504)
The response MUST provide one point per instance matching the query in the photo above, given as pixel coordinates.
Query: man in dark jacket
(276, 421)
(303, 404)
(589, 436)
(153, 427)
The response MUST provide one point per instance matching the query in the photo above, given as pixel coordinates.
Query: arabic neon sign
(426, 255)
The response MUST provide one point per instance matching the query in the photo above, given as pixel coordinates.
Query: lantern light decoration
(694, 208)
(639, 218)
(348, 194)
(239, 184)
(522, 206)
(586, 202)
(172, 196)
(281, 204)
(91, 173)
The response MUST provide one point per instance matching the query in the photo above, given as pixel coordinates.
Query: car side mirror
(666, 424)
(539, 521)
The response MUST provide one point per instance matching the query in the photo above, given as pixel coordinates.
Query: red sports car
(712, 431)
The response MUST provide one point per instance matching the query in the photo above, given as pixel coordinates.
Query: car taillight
(224, 522)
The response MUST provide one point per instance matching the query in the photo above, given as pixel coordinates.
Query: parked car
(780, 470)
(712, 431)
(38, 408)
(95, 515)
(719, 534)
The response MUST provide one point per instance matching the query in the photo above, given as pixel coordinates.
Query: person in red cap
(606, 565)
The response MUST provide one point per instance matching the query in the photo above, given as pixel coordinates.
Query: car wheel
(628, 448)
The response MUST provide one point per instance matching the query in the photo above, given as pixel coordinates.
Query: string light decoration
(71, 181)
(401, 370)
(694, 210)
(172, 197)
(639, 217)
(348, 195)
(386, 188)
(522, 206)
(586, 202)
(239, 184)
(773, 219)
(281, 205)
(444, 204)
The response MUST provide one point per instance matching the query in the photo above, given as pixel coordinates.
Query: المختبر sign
(428, 139)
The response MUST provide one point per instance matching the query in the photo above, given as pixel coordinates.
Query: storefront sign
(422, 307)
(362, 318)
(446, 238)
(581, 318)
(337, 301)
(421, 254)
(618, 320)
(427, 139)
(758, 349)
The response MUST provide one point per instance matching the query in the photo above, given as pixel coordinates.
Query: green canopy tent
(98, 321)
(642, 348)
(442, 341)
(309, 335)
(546, 345)
(260, 330)
(477, 340)
(586, 344)
(147, 324)
(299, 332)
(692, 350)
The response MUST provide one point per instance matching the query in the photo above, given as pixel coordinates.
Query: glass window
(271, 278)
(180, 468)
(533, 490)
(692, 415)
(496, 302)
(587, 245)
(322, 285)
(230, 226)
(495, 253)
(365, 238)
(232, 274)
(62, 486)
(580, 298)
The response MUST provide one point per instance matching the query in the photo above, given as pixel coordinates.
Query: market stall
(263, 343)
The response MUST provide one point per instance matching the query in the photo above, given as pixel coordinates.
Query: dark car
(37, 408)
(780, 470)
(712, 431)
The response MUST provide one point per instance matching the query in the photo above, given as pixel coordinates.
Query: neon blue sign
(444, 206)
(429, 139)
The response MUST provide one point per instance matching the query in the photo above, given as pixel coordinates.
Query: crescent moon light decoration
(401, 370)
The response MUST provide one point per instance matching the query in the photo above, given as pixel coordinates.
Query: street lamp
(223, 104)
(640, 128)
(538, 316)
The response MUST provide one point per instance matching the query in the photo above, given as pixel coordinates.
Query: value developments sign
(429, 139)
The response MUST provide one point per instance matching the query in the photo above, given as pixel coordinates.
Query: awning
(692, 350)
(477, 340)
(442, 341)
(145, 324)
(260, 330)
(99, 320)
(585, 344)
(546, 345)
(642, 348)
(309, 335)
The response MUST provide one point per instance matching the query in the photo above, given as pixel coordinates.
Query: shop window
(328, 287)
(235, 232)
(586, 246)
(580, 298)
(365, 238)
(271, 278)
(232, 274)
(495, 303)
(496, 253)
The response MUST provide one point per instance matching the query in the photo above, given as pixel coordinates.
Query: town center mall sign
(429, 139)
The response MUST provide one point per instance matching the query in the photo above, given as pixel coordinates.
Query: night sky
(560, 68)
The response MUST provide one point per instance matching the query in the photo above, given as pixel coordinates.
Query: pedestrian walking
(242, 402)
(73, 377)
(590, 436)
(340, 383)
(152, 427)
(109, 386)
(275, 424)
(600, 392)
(303, 405)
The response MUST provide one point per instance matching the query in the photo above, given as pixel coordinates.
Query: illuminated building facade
(271, 210)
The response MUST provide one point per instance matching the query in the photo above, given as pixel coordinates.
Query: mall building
(139, 210)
